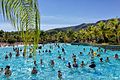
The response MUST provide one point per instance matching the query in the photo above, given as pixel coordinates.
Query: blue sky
(63, 13)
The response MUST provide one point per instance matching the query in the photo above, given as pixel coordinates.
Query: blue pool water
(21, 67)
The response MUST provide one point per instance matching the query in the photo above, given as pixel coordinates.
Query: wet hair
(8, 67)
(59, 71)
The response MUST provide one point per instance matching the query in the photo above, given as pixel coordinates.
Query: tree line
(102, 32)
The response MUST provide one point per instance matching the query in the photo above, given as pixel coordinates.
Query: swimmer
(84, 49)
(17, 54)
(34, 70)
(23, 54)
(6, 56)
(74, 56)
(35, 63)
(116, 56)
(92, 65)
(105, 50)
(41, 62)
(92, 58)
(98, 55)
(52, 63)
(49, 51)
(63, 50)
(39, 52)
(88, 53)
(75, 65)
(98, 50)
(7, 71)
(107, 59)
(59, 74)
(59, 57)
(46, 50)
(81, 53)
(69, 65)
(82, 64)
(101, 59)
(1, 70)
(20, 50)
(10, 54)
(63, 59)
(30, 55)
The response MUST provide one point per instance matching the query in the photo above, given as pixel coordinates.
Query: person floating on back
(92, 65)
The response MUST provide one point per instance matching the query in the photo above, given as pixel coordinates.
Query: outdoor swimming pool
(21, 67)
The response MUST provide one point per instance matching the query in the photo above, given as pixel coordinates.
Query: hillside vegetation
(104, 31)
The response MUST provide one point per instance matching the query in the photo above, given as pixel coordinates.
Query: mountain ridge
(78, 27)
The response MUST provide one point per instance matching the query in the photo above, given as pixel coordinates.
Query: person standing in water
(107, 59)
(6, 56)
(34, 70)
(116, 56)
(35, 63)
(52, 63)
(8, 71)
(82, 64)
(10, 54)
(59, 74)
(101, 59)
(75, 65)
(41, 62)
(69, 65)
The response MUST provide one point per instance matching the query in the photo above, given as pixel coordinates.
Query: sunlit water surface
(21, 67)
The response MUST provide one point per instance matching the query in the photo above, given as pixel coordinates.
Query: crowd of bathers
(92, 54)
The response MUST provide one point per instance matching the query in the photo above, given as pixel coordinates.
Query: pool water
(21, 67)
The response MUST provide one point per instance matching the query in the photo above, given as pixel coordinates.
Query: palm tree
(103, 30)
(25, 16)
(115, 27)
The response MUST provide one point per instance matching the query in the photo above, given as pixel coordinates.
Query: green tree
(103, 31)
(25, 16)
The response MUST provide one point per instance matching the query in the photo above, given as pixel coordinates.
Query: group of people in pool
(92, 54)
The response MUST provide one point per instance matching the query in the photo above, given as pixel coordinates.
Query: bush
(11, 40)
